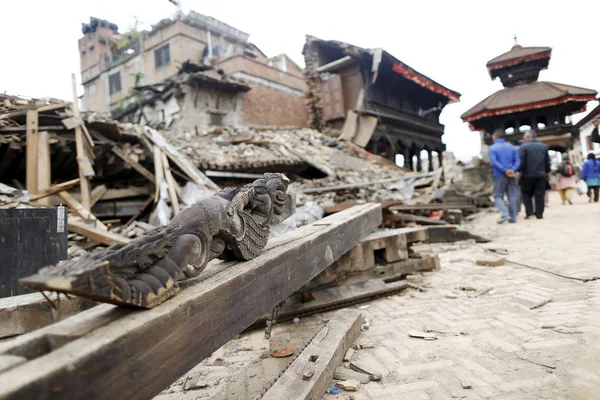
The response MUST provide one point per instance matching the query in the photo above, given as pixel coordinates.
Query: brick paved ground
(491, 342)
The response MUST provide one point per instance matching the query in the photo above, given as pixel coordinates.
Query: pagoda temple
(526, 103)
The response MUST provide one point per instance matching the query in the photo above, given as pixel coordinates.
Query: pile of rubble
(120, 180)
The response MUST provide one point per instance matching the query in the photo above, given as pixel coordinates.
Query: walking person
(515, 143)
(566, 180)
(535, 168)
(591, 175)
(505, 163)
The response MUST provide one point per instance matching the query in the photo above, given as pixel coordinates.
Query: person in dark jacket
(505, 163)
(591, 175)
(535, 169)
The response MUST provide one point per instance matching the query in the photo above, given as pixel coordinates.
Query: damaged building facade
(131, 70)
(379, 102)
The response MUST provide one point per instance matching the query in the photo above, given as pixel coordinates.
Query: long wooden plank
(31, 180)
(97, 193)
(55, 189)
(454, 233)
(180, 159)
(82, 158)
(310, 374)
(134, 164)
(81, 211)
(158, 172)
(28, 312)
(172, 185)
(97, 234)
(44, 167)
(136, 354)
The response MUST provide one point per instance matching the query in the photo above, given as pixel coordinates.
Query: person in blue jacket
(591, 175)
(505, 162)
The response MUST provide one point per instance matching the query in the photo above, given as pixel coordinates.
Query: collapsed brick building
(116, 69)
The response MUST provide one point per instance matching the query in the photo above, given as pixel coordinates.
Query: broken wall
(203, 107)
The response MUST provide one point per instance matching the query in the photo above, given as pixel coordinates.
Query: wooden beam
(454, 233)
(55, 189)
(136, 354)
(158, 172)
(28, 312)
(81, 211)
(97, 193)
(134, 164)
(433, 206)
(336, 297)
(44, 166)
(321, 357)
(82, 158)
(31, 171)
(172, 185)
(180, 159)
(93, 233)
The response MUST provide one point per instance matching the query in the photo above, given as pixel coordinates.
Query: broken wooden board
(28, 312)
(454, 233)
(54, 189)
(325, 351)
(96, 234)
(410, 218)
(350, 125)
(335, 297)
(180, 159)
(136, 354)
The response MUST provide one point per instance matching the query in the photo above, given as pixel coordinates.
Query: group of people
(522, 173)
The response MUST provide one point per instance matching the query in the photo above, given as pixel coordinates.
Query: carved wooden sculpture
(233, 224)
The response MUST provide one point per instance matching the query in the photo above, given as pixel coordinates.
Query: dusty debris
(465, 385)
(344, 374)
(491, 261)
(349, 354)
(414, 278)
(281, 346)
(365, 368)
(350, 385)
(481, 293)
(423, 335)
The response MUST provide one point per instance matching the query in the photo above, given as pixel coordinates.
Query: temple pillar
(430, 160)
(441, 158)
(407, 158)
(419, 166)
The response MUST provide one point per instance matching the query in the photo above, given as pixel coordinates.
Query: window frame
(160, 60)
(111, 89)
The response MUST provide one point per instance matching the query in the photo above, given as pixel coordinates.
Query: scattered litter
(423, 335)
(296, 320)
(537, 363)
(468, 288)
(335, 390)
(364, 307)
(465, 385)
(541, 304)
(451, 296)
(365, 326)
(488, 290)
(415, 278)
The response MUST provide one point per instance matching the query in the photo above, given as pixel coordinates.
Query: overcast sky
(449, 41)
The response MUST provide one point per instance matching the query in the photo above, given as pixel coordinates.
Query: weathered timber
(28, 312)
(82, 156)
(31, 180)
(454, 233)
(133, 164)
(336, 297)
(93, 233)
(380, 247)
(434, 206)
(54, 189)
(44, 179)
(81, 211)
(408, 218)
(233, 224)
(325, 353)
(136, 354)
(180, 159)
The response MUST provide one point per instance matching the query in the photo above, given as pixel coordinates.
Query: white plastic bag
(581, 187)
